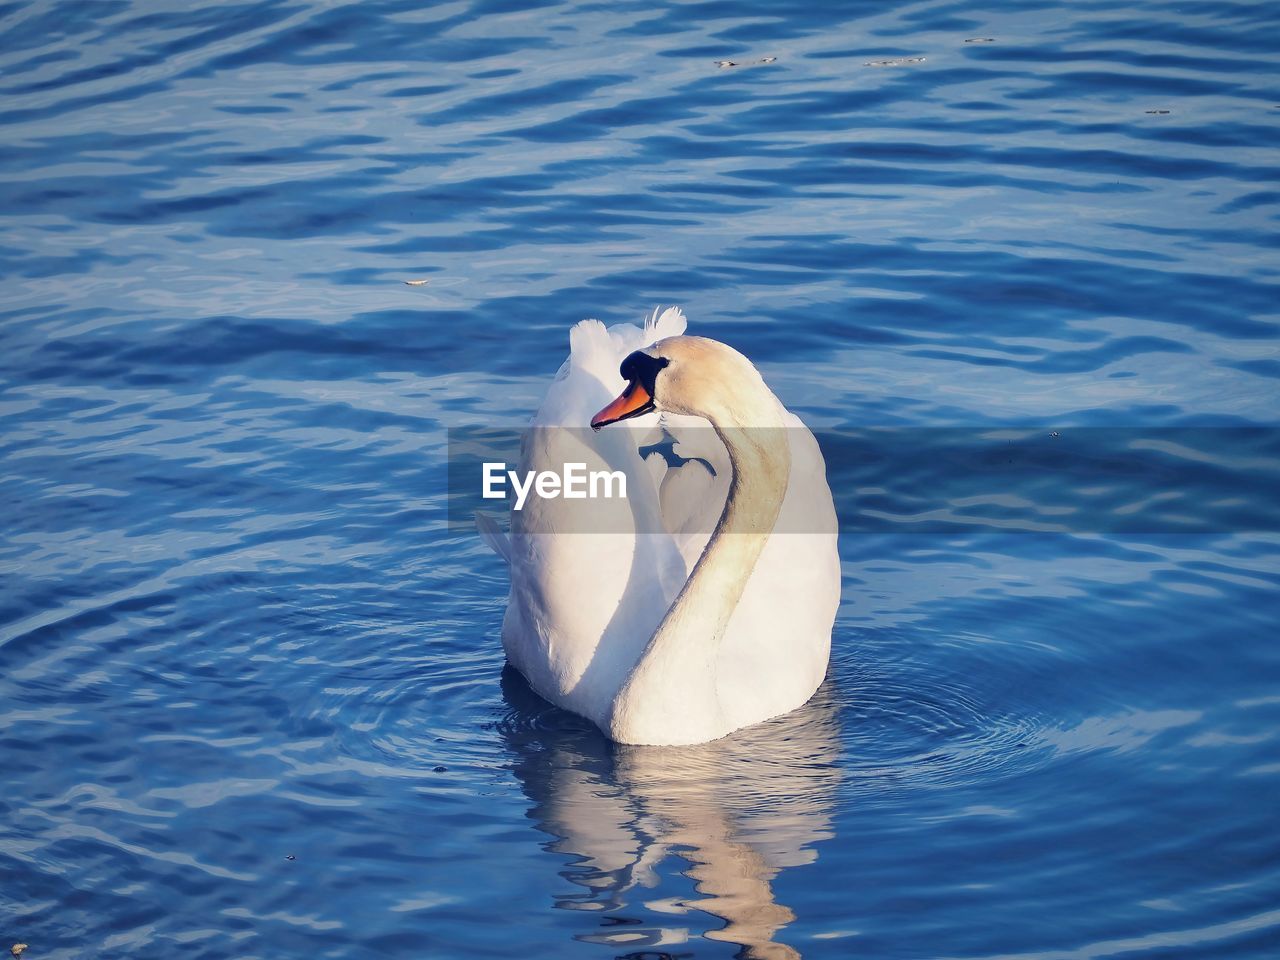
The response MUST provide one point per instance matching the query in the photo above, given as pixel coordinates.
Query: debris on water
(897, 62)
(1157, 111)
(17, 949)
(725, 64)
(290, 857)
(981, 40)
(416, 283)
(439, 769)
(1054, 434)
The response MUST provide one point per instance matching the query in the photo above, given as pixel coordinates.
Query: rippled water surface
(252, 698)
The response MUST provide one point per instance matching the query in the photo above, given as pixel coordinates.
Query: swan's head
(686, 375)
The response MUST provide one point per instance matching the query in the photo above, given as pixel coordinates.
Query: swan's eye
(643, 369)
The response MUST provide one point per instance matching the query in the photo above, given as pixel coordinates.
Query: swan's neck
(671, 696)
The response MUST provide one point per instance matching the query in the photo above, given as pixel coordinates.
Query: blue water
(252, 699)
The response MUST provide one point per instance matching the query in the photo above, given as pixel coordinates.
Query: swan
(701, 603)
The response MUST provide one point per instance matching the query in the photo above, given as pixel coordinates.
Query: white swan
(664, 631)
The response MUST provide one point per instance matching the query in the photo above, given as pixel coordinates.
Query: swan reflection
(735, 812)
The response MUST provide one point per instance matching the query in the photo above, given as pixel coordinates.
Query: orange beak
(633, 401)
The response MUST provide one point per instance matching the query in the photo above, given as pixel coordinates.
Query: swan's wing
(596, 351)
(590, 578)
(670, 322)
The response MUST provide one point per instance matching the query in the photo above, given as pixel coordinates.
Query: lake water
(252, 698)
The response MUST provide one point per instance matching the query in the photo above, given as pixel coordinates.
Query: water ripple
(252, 701)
